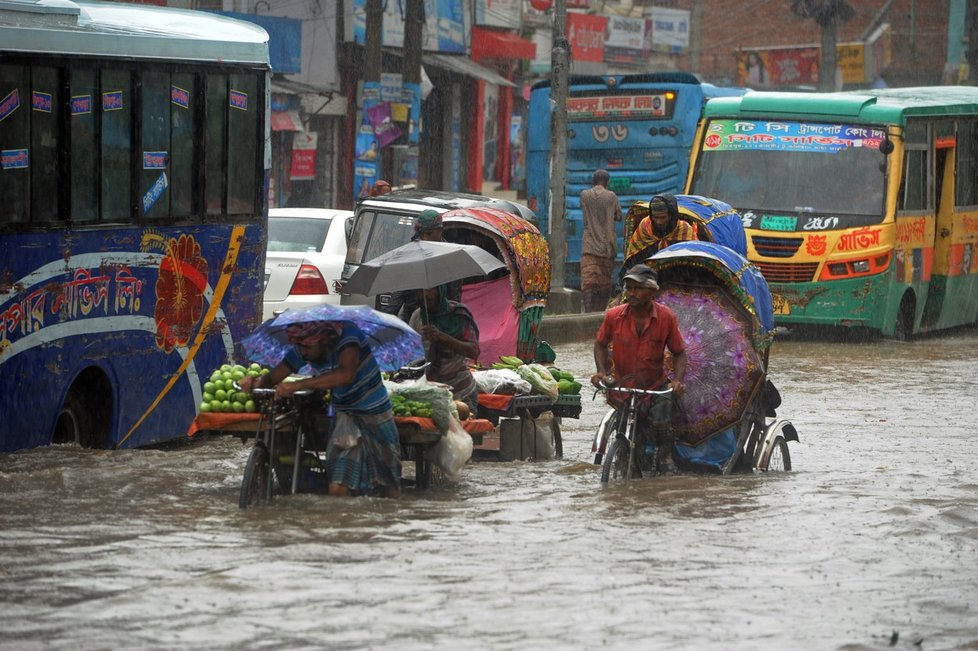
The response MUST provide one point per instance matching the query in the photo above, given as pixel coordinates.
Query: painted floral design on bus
(180, 288)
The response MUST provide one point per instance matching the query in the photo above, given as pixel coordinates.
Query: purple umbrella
(723, 369)
(393, 342)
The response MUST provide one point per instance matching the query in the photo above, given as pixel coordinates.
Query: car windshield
(376, 233)
(845, 177)
(297, 234)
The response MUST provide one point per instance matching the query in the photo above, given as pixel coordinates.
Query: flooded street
(871, 542)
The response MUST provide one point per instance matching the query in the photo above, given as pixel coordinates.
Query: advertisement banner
(499, 13)
(384, 127)
(447, 23)
(790, 136)
(303, 156)
(586, 36)
(670, 28)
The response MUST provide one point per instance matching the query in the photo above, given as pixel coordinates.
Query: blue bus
(134, 178)
(638, 127)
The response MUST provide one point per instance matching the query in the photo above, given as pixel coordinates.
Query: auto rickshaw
(508, 305)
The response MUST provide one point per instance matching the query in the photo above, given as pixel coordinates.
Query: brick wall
(918, 33)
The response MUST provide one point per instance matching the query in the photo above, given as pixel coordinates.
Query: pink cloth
(491, 304)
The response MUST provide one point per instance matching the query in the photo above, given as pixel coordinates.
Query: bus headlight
(838, 269)
(860, 266)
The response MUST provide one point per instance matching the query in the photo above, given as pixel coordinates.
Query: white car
(304, 259)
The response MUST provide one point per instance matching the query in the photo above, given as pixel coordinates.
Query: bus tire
(86, 414)
(903, 328)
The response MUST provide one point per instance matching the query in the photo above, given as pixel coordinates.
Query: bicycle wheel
(616, 458)
(255, 486)
(779, 459)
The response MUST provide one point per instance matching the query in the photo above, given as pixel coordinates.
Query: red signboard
(586, 34)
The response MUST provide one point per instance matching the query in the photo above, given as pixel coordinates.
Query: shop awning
(286, 121)
(490, 44)
(463, 65)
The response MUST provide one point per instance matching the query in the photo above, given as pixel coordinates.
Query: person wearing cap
(629, 350)
(428, 227)
(599, 244)
(661, 228)
(343, 363)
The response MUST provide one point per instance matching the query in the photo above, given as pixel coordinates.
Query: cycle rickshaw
(726, 420)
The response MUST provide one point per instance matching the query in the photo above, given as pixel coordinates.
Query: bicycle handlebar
(643, 392)
(261, 391)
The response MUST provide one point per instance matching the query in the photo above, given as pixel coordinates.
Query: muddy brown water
(869, 543)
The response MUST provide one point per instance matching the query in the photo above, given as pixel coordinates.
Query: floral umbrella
(723, 369)
(393, 342)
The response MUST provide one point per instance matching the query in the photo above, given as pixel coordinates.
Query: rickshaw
(715, 221)
(508, 306)
(725, 421)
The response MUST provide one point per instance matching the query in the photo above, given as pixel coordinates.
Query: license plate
(780, 304)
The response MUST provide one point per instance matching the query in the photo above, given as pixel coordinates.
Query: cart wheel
(256, 486)
(779, 459)
(615, 464)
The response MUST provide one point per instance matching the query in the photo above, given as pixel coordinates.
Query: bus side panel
(158, 304)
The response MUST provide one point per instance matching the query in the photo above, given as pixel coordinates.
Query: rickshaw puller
(634, 337)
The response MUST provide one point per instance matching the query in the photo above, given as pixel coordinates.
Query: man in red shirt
(633, 337)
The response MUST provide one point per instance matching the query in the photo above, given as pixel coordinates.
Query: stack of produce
(537, 375)
(566, 384)
(220, 394)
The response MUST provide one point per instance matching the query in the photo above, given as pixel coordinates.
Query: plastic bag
(452, 451)
(502, 381)
(346, 432)
(438, 395)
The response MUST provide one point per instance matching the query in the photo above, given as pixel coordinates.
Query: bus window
(216, 93)
(155, 150)
(84, 157)
(116, 144)
(14, 169)
(914, 195)
(244, 104)
(182, 164)
(966, 178)
(46, 144)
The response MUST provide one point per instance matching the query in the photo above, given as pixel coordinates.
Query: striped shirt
(367, 393)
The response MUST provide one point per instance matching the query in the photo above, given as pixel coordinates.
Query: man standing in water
(599, 244)
(629, 348)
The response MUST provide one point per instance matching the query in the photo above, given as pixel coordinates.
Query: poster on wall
(586, 35)
(364, 175)
(490, 131)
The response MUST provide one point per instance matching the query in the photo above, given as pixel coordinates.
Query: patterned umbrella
(723, 368)
(393, 342)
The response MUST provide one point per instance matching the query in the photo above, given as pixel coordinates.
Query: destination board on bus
(619, 107)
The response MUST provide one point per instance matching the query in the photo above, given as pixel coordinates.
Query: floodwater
(869, 543)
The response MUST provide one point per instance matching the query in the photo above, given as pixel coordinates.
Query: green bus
(861, 208)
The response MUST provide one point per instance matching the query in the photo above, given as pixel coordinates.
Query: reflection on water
(873, 535)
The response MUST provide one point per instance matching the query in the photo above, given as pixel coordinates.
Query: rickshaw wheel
(255, 486)
(615, 464)
(779, 459)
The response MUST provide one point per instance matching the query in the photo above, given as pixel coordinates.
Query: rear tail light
(308, 281)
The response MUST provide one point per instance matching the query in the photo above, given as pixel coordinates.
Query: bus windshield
(819, 169)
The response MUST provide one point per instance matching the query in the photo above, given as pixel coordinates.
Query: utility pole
(559, 61)
(827, 13)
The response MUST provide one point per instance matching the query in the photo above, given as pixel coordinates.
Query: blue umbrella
(393, 342)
